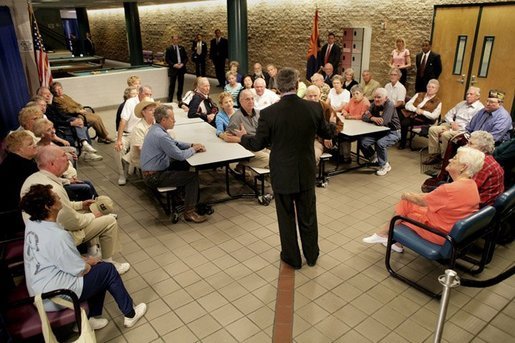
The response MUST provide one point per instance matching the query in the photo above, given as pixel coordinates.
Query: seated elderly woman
(313, 94)
(232, 86)
(17, 166)
(355, 108)
(76, 189)
(318, 80)
(201, 105)
(349, 81)
(490, 179)
(423, 108)
(223, 117)
(53, 262)
(445, 205)
(338, 96)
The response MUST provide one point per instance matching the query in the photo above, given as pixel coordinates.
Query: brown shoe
(193, 216)
(432, 159)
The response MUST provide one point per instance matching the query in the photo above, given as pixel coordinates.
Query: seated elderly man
(442, 207)
(395, 90)
(328, 73)
(368, 84)
(27, 117)
(67, 106)
(493, 118)
(260, 73)
(490, 179)
(83, 226)
(313, 94)
(201, 105)
(272, 82)
(163, 161)
(318, 80)
(263, 97)
(248, 117)
(65, 123)
(456, 120)
(382, 112)
(422, 108)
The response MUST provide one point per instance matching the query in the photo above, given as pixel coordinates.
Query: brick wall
(278, 31)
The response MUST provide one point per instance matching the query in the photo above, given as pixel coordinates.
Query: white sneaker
(91, 156)
(98, 323)
(87, 147)
(375, 238)
(95, 323)
(396, 248)
(122, 181)
(121, 268)
(384, 169)
(140, 311)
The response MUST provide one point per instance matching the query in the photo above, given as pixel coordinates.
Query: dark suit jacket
(265, 74)
(289, 128)
(433, 66)
(203, 54)
(220, 51)
(171, 59)
(335, 56)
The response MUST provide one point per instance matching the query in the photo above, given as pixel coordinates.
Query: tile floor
(217, 281)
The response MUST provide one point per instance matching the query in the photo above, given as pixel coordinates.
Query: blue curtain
(13, 83)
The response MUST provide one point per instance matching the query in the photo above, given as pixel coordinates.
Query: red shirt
(489, 180)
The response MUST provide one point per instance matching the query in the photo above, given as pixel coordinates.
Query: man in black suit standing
(330, 53)
(289, 128)
(198, 55)
(219, 53)
(429, 66)
(176, 58)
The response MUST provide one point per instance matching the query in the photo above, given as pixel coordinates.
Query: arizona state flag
(312, 63)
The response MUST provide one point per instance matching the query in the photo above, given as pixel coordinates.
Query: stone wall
(278, 31)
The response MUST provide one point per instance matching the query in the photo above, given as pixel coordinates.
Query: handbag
(87, 335)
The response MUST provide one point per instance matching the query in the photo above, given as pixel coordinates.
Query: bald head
(247, 100)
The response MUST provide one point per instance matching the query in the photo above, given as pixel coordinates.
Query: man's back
(289, 127)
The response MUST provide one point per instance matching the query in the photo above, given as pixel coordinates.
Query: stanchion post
(449, 280)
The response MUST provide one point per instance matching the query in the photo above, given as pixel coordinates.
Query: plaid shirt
(489, 180)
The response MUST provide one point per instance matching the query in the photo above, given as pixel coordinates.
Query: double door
(476, 44)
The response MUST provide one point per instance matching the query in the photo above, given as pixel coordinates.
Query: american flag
(44, 73)
(312, 63)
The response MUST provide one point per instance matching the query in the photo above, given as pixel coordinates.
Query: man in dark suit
(330, 53)
(198, 55)
(289, 128)
(429, 66)
(219, 53)
(176, 58)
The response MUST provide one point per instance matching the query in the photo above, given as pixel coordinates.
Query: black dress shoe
(294, 266)
(401, 146)
(311, 263)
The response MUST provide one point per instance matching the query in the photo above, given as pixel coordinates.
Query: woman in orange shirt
(444, 206)
(357, 105)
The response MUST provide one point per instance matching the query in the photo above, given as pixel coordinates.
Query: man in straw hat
(128, 121)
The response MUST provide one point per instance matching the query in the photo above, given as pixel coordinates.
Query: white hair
(472, 158)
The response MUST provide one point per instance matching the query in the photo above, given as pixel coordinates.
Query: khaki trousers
(439, 133)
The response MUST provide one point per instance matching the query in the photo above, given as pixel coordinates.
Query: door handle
(473, 79)
(462, 79)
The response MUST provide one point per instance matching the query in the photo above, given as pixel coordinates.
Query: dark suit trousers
(304, 205)
(200, 67)
(220, 70)
(176, 75)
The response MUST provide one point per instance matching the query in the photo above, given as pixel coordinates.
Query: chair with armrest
(462, 235)
(21, 316)
(505, 207)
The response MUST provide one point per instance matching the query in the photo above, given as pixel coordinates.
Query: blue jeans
(381, 143)
(101, 278)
